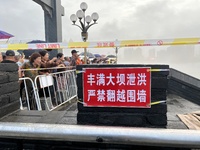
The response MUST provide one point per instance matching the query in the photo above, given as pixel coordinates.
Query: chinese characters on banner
(117, 87)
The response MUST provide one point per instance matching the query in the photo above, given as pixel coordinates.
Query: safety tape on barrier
(151, 70)
(157, 70)
(52, 68)
(157, 102)
(101, 44)
(78, 72)
(152, 103)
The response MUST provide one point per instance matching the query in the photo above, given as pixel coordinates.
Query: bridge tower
(53, 12)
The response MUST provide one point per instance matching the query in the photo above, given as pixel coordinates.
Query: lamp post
(116, 52)
(84, 23)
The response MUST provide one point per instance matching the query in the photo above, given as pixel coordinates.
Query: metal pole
(116, 51)
(113, 135)
(85, 39)
(85, 55)
(84, 35)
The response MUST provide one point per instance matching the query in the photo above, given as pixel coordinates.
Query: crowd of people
(39, 62)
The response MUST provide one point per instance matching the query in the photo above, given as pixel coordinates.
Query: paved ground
(177, 105)
(67, 115)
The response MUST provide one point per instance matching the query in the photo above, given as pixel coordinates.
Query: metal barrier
(28, 95)
(102, 134)
(55, 89)
(48, 92)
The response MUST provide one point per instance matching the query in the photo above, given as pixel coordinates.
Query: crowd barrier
(28, 94)
(48, 92)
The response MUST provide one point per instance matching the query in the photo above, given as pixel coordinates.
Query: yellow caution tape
(101, 44)
(157, 70)
(151, 70)
(79, 71)
(45, 68)
(153, 103)
(80, 102)
(158, 102)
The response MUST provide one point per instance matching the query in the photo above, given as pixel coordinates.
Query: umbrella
(90, 55)
(28, 53)
(97, 55)
(5, 35)
(37, 41)
(111, 56)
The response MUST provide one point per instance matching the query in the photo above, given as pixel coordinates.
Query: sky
(122, 20)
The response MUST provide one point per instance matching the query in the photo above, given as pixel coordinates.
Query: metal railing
(28, 95)
(48, 92)
(102, 134)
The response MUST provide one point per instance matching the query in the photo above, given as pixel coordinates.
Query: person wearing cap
(10, 57)
(75, 60)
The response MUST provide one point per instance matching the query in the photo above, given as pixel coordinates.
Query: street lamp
(84, 23)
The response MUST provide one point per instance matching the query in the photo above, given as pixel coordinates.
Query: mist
(185, 58)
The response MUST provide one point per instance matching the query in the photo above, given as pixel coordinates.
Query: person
(78, 61)
(61, 78)
(31, 71)
(75, 60)
(46, 62)
(94, 61)
(20, 60)
(60, 62)
(88, 61)
(34, 63)
(1, 57)
(67, 61)
(10, 57)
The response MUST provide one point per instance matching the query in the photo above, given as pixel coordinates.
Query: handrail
(61, 96)
(102, 134)
(27, 94)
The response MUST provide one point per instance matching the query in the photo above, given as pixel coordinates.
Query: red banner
(117, 87)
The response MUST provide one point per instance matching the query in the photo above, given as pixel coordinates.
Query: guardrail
(98, 134)
(28, 94)
(48, 92)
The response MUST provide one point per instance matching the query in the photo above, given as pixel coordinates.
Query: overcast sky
(128, 19)
(119, 19)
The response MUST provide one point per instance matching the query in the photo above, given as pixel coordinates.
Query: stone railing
(184, 85)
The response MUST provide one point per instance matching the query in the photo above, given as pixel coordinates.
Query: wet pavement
(67, 114)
